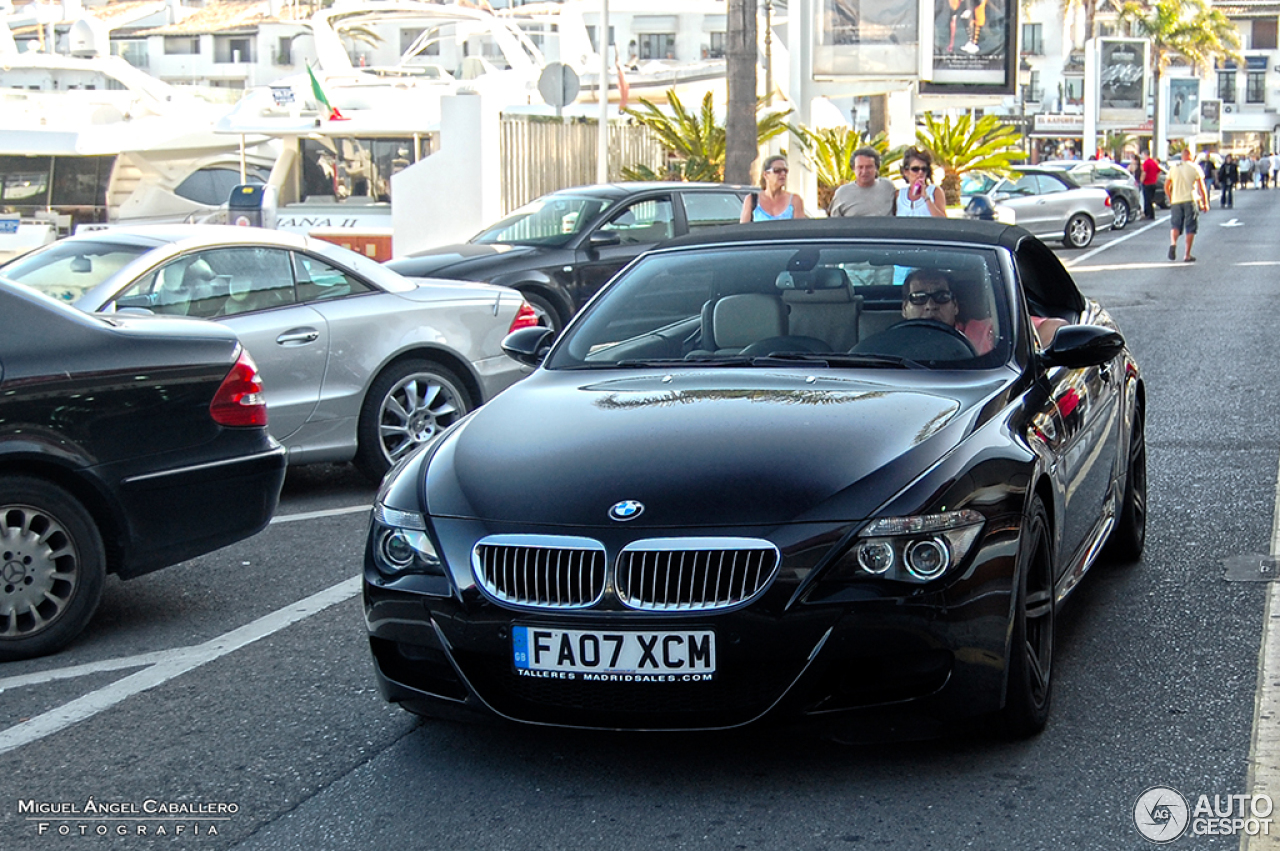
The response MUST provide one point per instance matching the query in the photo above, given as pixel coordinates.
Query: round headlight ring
(875, 557)
(928, 558)
(396, 550)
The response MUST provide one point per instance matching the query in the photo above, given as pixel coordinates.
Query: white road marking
(328, 512)
(1264, 746)
(1260, 263)
(1124, 267)
(176, 663)
(1075, 261)
(164, 665)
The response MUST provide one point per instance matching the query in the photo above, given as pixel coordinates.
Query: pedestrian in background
(1228, 176)
(773, 201)
(1246, 171)
(869, 194)
(1150, 179)
(1264, 170)
(1187, 198)
(920, 197)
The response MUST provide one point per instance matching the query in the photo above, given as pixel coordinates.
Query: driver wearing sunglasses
(927, 294)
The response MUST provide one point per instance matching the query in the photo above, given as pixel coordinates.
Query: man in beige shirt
(1187, 198)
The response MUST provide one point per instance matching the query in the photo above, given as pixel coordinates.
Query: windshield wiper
(837, 360)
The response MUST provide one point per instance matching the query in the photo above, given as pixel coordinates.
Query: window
(357, 168)
(1050, 185)
(716, 50)
(591, 36)
(1032, 39)
(1227, 86)
(318, 281)
(181, 45)
(284, 51)
(233, 49)
(1256, 91)
(213, 185)
(1074, 89)
(658, 46)
(642, 222)
(219, 282)
(1264, 35)
(133, 52)
(708, 209)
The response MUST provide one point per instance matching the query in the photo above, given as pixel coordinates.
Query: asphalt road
(240, 682)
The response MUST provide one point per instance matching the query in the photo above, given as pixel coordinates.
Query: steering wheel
(919, 339)
(787, 343)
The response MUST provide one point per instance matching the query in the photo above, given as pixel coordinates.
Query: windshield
(834, 305)
(977, 183)
(552, 220)
(67, 270)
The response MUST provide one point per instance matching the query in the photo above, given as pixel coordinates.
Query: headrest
(740, 320)
(198, 271)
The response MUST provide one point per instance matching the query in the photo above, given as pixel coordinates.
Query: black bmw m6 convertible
(811, 468)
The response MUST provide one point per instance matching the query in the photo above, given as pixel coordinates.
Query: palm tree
(1189, 28)
(695, 142)
(740, 70)
(961, 145)
(829, 153)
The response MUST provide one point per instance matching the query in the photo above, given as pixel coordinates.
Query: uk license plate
(614, 656)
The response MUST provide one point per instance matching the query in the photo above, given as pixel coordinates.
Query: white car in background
(1045, 201)
(359, 363)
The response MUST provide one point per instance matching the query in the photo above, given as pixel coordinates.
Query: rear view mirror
(81, 265)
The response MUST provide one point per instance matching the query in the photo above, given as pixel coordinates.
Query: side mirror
(1077, 346)
(528, 345)
(602, 238)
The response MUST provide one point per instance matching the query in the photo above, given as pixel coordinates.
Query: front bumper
(799, 651)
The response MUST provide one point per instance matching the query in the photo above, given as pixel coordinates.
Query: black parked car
(741, 484)
(127, 443)
(559, 249)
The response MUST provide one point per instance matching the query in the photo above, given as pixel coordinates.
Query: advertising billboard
(867, 38)
(1122, 81)
(970, 47)
(1210, 116)
(1183, 107)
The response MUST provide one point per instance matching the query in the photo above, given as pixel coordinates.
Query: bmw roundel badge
(628, 509)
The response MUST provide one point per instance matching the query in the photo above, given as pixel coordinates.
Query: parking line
(328, 512)
(175, 664)
(1076, 260)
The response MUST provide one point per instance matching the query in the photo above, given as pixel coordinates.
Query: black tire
(1029, 687)
(1079, 231)
(1129, 536)
(548, 314)
(408, 404)
(1163, 203)
(1121, 208)
(52, 567)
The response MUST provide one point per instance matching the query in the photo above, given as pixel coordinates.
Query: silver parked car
(1125, 192)
(1046, 202)
(360, 364)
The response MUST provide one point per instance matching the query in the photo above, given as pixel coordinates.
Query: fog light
(875, 556)
(928, 558)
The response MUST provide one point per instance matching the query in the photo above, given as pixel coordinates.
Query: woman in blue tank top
(773, 201)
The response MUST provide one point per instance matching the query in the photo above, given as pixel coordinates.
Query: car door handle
(298, 337)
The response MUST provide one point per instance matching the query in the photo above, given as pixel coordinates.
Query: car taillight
(1108, 201)
(239, 400)
(526, 317)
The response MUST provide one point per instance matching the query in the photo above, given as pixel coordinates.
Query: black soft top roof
(970, 231)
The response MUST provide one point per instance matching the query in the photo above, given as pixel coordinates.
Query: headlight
(401, 544)
(917, 549)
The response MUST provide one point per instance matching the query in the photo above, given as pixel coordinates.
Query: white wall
(454, 193)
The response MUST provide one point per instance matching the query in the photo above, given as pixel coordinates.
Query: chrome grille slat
(694, 574)
(540, 571)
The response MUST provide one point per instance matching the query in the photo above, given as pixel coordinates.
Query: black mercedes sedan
(127, 444)
(796, 469)
(558, 250)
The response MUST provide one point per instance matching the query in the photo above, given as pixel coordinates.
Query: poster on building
(970, 46)
(867, 38)
(1210, 116)
(1122, 81)
(1183, 105)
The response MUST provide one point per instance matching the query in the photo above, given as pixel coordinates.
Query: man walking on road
(1150, 177)
(869, 194)
(1187, 198)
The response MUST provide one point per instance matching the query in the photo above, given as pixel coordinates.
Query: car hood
(730, 448)
(466, 260)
